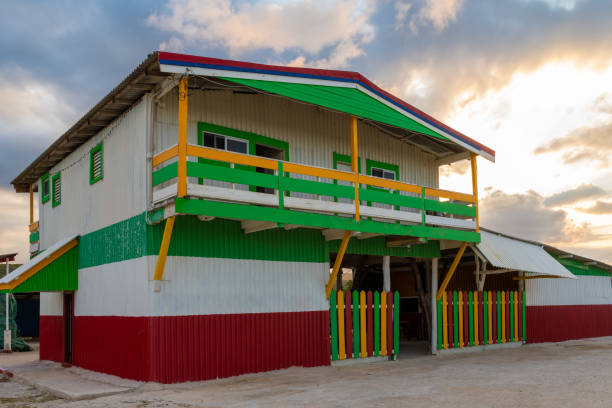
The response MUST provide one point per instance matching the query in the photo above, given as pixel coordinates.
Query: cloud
(526, 215)
(340, 27)
(440, 12)
(557, 4)
(593, 144)
(600, 207)
(459, 168)
(575, 195)
(14, 218)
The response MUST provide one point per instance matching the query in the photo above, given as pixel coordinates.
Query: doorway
(271, 153)
(68, 327)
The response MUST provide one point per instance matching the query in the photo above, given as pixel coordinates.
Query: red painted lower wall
(560, 323)
(51, 338)
(171, 349)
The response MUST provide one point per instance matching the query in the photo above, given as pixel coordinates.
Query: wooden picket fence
(363, 324)
(471, 318)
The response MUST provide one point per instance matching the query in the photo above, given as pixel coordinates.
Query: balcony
(266, 193)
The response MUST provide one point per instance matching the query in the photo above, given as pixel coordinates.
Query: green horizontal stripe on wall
(34, 237)
(225, 239)
(378, 246)
(579, 268)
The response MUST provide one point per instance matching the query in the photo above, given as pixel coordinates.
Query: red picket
(348, 319)
(370, 320)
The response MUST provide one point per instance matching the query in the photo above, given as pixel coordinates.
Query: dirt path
(571, 374)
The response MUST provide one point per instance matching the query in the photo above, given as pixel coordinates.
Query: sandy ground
(570, 374)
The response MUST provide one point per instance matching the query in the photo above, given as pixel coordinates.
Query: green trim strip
(239, 176)
(396, 323)
(579, 268)
(167, 173)
(34, 237)
(250, 212)
(455, 321)
(376, 310)
(333, 321)
(356, 331)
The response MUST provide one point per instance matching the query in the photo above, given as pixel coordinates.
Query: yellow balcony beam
(355, 162)
(451, 271)
(163, 250)
(165, 156)
(337, 263)
(475, 187)
(182, 138)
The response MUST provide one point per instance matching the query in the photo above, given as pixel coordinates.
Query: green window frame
(95, 152)
(56, 189)
(383, 166)
(345, 158)
(44, 180)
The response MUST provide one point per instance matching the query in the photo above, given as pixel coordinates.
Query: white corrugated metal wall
(313, 133)
(586, 290)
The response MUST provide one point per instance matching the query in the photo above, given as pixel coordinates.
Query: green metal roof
(347, 100)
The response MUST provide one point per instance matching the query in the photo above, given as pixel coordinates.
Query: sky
(531, 79)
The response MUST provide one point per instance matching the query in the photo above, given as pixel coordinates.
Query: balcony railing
(241, 186)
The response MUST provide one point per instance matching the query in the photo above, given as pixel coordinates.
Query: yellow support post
(475, 187)
(338, 263)
(163, 250)
(182, 139)
(341, 343)
(355, 162)
(362, 322)
(31, 205)
(451, 271)
(460, 309)
(383, 323)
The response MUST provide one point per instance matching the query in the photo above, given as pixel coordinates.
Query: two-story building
(193, 224)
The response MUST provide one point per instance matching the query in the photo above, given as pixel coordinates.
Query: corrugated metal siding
(51, 304)
(59, 275)
(51, 337)
(561, 323)
(203, 286)
(586, 290)
(313, 133)
(119, 195)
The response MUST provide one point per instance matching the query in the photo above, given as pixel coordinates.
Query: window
(382, 173)
(56, 183)
(96, 170)
(231, 144)
(45, 188)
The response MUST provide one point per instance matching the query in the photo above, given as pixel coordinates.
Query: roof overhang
(213, 67)
(54, 269)
(516, 255)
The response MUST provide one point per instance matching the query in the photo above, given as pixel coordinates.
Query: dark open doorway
(68, 327)
(271, 153)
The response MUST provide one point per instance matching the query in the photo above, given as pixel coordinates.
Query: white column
(386, 273)
(7, 331)
(434, 313)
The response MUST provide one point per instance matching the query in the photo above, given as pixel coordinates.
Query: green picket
(455, 321)
(396, 323)
(440, 332)
(485, 318)
(471, 316)
(499, 318)
(524, 318)
(376, 310)
(333, 320)
(356, 331)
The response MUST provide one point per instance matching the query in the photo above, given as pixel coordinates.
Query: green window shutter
(45, 188)
(96, 164)
(56, 186)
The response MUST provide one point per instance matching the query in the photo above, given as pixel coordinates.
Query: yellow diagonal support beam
(338, 263)
(163, 250)
(451, 271)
